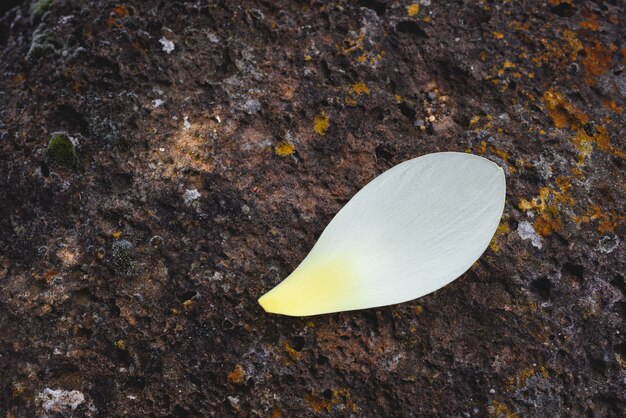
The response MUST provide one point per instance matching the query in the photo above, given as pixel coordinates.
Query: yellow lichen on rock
(607, 220)
(413, 9)
(284, 149)
(321, 123)
(563, 113)
(502, 410)
(503, 229)
(318, 402)
(291, 352)
(237, 376)
(360, 88)
(545, 205)
(356, 90)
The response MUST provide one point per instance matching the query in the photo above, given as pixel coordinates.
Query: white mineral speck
(59, 401)
(526, 231)
(252, 106)
(608, 243)
(190, 195)
(157, 102)
(168, 46)
(186, 123)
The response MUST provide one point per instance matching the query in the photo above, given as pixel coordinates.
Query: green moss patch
(61, 152)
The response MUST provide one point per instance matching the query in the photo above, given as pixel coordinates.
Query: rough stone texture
(115, 284)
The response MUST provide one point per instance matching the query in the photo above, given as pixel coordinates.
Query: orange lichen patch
(319, 401)
(591, 21)
(519, 381)
(276, 413)
(505, 66)
(498, 35)
(360, 88)
(503, 229)
(559, 52)
(565, 185)
(603, 142)
(516, 25)
(418, 309)
(117, 234)
(352, 44)
(119, 12)
(612, 105)
(573, 42)
(546, 200)
(474, 121)
(502, 410)
(591, 24)
(413, 9)
(499, 152)
(120, 344)
(547, 224)
(482, 148)
(487, 122)
(356, 90)
(562, 112)
(607, 220)
(584, 144)
(237, 376)
(545, 205)
(597, 61)
(291, 352)
(367, 51)
(284, 149)
(321, 123)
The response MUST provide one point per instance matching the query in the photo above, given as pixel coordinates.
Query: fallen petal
(410, 231)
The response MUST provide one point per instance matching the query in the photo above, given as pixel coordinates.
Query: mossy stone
(44, 42)
(61, 152)
(39, 7)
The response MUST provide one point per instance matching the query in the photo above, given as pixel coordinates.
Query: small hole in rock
(407, 110)
(563, 9)
(297, 342)
(383, 154)
(541, 287)
(378, 6)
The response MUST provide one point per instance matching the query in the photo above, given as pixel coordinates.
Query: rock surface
(119, 285)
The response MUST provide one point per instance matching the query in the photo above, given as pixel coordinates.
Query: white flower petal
(412, 230)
